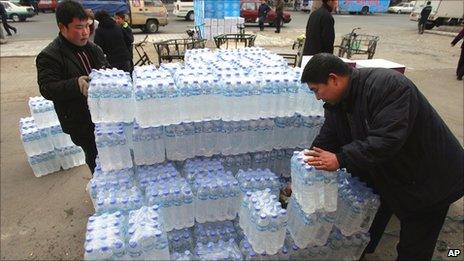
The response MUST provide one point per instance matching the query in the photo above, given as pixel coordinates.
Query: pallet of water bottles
(48, 149)
(202, 193)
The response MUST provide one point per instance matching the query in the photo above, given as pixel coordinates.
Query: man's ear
(62, 27)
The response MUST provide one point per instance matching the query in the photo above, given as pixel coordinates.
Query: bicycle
(354, 43)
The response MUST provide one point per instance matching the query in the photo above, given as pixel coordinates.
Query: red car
(47, 5)
(249, 11)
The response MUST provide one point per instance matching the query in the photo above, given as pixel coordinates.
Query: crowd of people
(377, 125)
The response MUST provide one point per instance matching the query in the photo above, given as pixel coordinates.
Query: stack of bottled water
(307, 253)
(214, 231)
(216, 197)
(201, 167)
(341, 247)
(148, 145)
(48, 149)
(180, 241)
(253, 180)
(146, 174)
(104, 239)
(221, 250)
(146, 237)
(249, 254)
(263, 221)
(113, 148)
(109, 91)
(357, 205)
(234, 163)
(308, 229)
(313, 189)
(175, 198)
(121, 198)
(43, 112)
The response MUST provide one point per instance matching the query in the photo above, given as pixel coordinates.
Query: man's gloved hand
(83, 82)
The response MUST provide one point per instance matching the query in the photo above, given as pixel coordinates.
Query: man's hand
(321, 159)
(83, 82)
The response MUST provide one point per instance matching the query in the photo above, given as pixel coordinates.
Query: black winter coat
(57, 72)
(387, 131)
(109, 36)
(320, 32)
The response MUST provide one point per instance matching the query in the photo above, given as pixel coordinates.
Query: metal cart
(354, 43)
(174, 49)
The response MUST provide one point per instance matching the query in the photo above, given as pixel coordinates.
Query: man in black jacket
(62, 74)
(320, 32)
(424, 16)
(263, 9)
(120, 18)
(109, 36)
(381, 128)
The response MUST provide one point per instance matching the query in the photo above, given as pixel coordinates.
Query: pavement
(45, 218)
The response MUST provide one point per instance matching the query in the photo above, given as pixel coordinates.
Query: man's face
(332, 91)
(119, 20)
(263, 1)
(77, 32)
(333, 4)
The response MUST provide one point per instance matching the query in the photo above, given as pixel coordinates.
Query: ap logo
(454, 252)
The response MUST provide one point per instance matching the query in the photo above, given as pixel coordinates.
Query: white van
(184, 9)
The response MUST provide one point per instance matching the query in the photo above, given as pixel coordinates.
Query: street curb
(450, 34)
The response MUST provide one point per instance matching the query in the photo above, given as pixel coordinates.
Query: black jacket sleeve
(392, 113)
(128, 36)
(458, 37)
(327, 137)
(51, 85)
(328, 34)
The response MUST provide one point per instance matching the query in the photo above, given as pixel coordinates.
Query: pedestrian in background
(109, 36)
(120, 18)
(263, 9)
(320, 31)
(424, 16)
(93, 24)
(279, 9)
(382, 129)
(460, 68)
(4, 16)
(63, 69)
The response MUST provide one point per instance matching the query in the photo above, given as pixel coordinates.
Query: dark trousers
(418, 235)
(87, 143)
(7, 26)
(460, 69)
(261, 22)
(278, 21)
(421, 26)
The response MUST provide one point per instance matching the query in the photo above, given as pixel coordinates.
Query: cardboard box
(220, 30)
(207, 22)
(220, 22)
(214, 22)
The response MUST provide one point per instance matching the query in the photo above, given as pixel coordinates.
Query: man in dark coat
(320, 32)
(460, 68)
(263, 9)
(380, 127)
(109, 36)
(4, 16)
(279, 9)
(424, 16)
(62, 74)
(120, 18)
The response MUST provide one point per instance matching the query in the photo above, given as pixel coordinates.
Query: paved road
(43, 26)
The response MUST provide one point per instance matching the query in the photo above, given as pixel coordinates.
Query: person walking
(93, 24)
(109, 36)
(460, 68)
(63, 69)
(381, 128)
(120, 18)
(320, 32)
(279, 10)
(263, 10)
(4, 16)
(424, 16)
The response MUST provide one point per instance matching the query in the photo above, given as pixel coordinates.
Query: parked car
(47, 5)
(17, 13)
(249, 11)
(184, 9)
(402, 8)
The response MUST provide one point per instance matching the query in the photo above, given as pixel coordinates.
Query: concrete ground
(45, 218)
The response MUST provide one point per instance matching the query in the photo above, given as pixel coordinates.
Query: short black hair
(102, 15)
(317, 70)
(429, 3)
(121, 14)
(68, 10)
